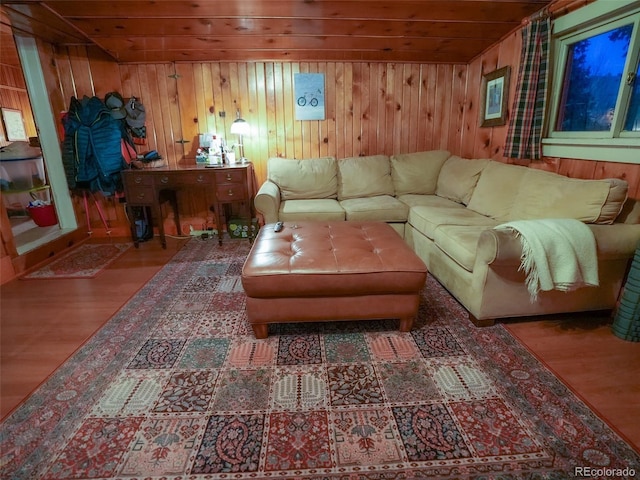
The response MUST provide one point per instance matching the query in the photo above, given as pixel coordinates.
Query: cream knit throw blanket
(557, 253)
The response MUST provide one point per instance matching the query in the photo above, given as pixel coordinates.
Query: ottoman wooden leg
(260, 330)
(406, 324)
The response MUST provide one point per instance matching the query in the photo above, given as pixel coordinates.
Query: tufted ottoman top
(331, 259)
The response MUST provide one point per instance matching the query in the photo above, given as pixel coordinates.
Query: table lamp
(240, 127)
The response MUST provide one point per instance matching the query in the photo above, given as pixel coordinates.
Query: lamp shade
(240, 127)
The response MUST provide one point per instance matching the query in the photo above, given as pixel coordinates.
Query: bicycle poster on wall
(309, 96)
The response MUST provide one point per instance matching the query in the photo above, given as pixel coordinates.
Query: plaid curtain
(524, 136)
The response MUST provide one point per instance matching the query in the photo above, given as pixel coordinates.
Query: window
(595, 102)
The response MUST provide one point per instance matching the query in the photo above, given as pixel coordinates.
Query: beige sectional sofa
(446, 208)
(357, 188)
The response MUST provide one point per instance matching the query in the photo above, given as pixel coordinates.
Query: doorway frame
(49, 141)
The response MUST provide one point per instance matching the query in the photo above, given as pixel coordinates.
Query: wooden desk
(151, 187)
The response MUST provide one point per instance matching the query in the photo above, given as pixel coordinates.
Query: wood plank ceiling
(137, 31)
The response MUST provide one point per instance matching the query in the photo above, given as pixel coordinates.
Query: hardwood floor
(602, 369)
(44, 321)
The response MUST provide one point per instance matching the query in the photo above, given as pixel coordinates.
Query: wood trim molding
(562, 7)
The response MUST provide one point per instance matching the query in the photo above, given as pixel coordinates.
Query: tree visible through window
(593, 73)
(593, 111)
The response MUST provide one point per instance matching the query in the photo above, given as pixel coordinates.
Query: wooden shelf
(27, 190)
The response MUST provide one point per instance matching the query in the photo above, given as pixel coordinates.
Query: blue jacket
(91, 151)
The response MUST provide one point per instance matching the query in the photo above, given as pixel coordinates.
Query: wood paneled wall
(370, 108)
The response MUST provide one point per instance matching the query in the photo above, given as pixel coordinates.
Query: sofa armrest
(618, 240)
(267, 201)
(501, 247)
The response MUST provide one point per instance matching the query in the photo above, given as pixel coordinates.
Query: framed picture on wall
(309, 96)
(495, 97)
(14, 125)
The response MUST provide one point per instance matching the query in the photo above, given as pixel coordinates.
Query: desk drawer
(230, 176)
(183, 180)
(231, 192)
(141, 196)
(134, 180)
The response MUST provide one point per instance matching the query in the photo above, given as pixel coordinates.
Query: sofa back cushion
(458, 178)
(305, 178)
(417, 173)
(615, 203)
(360, 177)
(549, 195)
(496, 190)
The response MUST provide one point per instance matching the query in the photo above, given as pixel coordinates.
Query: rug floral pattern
(85, 261)
(175, 386)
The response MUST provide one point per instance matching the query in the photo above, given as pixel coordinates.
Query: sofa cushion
(305, 178)
(417, 173)
(458, 177)
(459, 242)
(428, 201)
(426, 219)
(496, 190)
(312, 209)
(383, 208)
(616, 199)
(364, 177)
(549, 195)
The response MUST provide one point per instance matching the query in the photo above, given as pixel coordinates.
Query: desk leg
(176, 213)
(158, 214)
(132, 225)
(215, 208)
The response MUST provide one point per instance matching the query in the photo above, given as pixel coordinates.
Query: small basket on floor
(43, 215)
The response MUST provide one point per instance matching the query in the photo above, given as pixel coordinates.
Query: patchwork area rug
(175, 386)
(85, 261)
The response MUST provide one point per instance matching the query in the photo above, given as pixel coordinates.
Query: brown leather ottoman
(318, 271)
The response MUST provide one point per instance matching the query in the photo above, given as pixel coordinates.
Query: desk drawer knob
(230, 193)
(164, 180)
(200, 179)
(141, 196)
(229, 176)
(138, 180)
